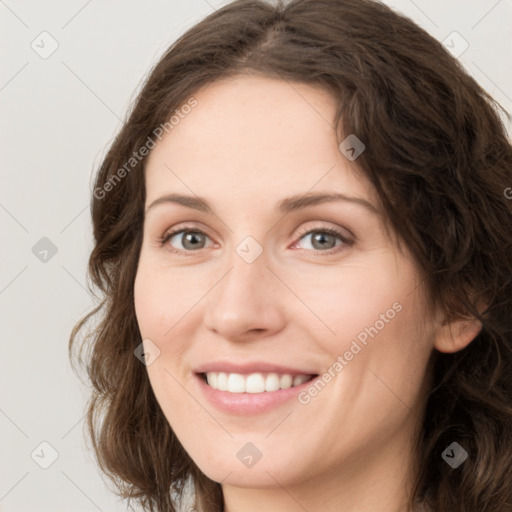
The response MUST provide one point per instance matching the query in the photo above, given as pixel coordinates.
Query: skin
(250, 142)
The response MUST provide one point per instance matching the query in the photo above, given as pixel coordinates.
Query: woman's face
(268, 287)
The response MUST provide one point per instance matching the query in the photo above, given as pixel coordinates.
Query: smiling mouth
(253, 382)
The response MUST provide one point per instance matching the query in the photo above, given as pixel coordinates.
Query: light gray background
(58, 116)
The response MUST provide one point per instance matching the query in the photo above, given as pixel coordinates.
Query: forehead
(258, 135)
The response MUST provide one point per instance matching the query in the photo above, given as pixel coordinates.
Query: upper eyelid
(339, 229)
(304, 231)
(175, 231)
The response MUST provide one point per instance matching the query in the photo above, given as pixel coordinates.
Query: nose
(247, 303)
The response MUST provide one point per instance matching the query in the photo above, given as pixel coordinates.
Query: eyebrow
(286, 205)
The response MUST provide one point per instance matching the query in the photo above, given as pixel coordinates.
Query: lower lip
(249, 403)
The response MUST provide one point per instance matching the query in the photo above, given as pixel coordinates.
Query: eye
(322, 239)
(325, 239)
(189, 238)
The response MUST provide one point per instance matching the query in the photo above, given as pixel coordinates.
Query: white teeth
(222, 381)
(299, 379)
(236, 383)
(212, 379)
(286, 381)
(253, 383)
(272, 382)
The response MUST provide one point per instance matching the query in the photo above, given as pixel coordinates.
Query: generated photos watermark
(138, 156)
(305, 397)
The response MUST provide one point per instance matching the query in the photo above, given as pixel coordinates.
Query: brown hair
(438, 156)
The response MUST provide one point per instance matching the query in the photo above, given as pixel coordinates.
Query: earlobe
(457, 334)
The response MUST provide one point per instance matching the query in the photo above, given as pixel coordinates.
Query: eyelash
(332, 231)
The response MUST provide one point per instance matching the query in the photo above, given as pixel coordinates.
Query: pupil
(191, 238)
(321, 238)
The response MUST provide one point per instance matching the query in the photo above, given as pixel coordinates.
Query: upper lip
(246, 368)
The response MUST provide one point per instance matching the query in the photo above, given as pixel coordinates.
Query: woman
(302, 242)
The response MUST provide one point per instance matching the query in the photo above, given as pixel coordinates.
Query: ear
(457, 334)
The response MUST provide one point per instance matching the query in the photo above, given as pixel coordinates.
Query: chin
(248, 460)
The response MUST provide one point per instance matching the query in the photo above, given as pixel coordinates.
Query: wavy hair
(438, 155)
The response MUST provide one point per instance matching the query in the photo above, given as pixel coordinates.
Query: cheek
(384, 340)
(160, 305)
(164, 297)
(376, 315)
(151, 297)
(354, 297)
